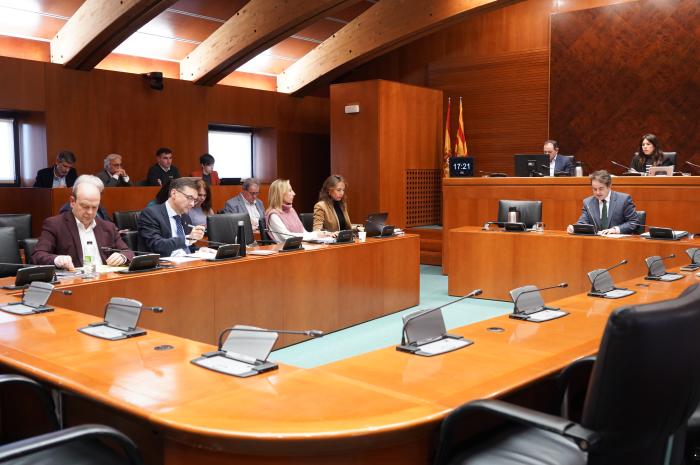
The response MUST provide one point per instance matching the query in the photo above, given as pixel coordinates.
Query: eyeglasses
(253, 193)
(188, 197)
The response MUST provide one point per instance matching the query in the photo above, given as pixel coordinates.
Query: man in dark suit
(66, 238)
(164, 170)
(611, 212)
(558, 165)
(61, 174)
(162, 227)
(113, 174)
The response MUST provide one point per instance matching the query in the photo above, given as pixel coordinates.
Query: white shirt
(276, 225)
(88, 235)
(551, 165)
(252, 212)
(173, 230)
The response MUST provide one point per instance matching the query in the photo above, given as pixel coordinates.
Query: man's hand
(570, 229)
(116, 259)
(64, 261)
(613, 230)
(197, 233)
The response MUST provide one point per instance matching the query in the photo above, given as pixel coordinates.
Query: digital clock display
(461, 167)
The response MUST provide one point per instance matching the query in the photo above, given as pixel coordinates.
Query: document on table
(614, 236)
(180, 259)
(109, 269)
(262, 252)
(203, 254)
(443, 345)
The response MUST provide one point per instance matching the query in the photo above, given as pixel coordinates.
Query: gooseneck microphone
(693, 165)
(136, 252)
(629, 169)
(420, 313)
(602, 272)
(515, 302)
(154, 309)
(62, 291)
(658, 259)
(312, 333)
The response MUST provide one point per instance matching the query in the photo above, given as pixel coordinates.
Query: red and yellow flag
(448, 140)
(461, 145)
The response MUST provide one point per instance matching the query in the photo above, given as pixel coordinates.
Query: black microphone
(692, 164)
(62, 291)
(628, 168)
(312, 333)
(136, 252)
(280, 233)
(493, 174)
(515, 302)
(154, 309)
(593, 288)
(216, 243)
(673, 255)
(417, 314)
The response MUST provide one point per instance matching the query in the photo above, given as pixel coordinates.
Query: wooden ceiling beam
(257, 26)
(98, 27)
(383, 27)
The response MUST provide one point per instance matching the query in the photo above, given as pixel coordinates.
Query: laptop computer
(374, 224)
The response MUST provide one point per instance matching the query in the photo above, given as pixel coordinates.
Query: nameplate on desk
(221, 362)
(447, 343)
(20, 308)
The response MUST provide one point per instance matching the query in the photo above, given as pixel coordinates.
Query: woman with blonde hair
(282, 220)
(331, 210)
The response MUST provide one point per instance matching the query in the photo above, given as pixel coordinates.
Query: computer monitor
(374, 224)
(224, 228)
(527, 165)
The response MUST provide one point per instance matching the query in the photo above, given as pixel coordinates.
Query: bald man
(67, 237)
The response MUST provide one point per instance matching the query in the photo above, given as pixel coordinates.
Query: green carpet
(386, 331)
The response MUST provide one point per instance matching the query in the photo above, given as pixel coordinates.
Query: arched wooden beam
(383, 27)
(98, 27)
(259, 25)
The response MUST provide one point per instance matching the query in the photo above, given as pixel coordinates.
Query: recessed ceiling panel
(221, 9)
(320, 30)
(292, 48)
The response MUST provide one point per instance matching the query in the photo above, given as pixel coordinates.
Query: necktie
(604, 215)
(180, 228)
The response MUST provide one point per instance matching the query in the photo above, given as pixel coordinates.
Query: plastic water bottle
(89, 262)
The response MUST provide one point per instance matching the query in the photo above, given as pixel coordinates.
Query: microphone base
(221, 362)
(666, 277)
(614, 293)
(222, 259)
(19, 308)
(447, 343)
(102, 330)
(143, 270)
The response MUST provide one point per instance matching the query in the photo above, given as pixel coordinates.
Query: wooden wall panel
(21, 85)
(622, 71)
(355, 145)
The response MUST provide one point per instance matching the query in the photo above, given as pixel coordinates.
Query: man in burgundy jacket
(67, 237)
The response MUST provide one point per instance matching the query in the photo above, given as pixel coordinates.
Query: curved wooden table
(380, 407)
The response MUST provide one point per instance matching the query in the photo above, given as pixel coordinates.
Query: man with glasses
(167, 229)
(248, 202)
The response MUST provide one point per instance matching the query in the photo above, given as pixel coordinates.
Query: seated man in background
(248, 202)
(611, 212)
(68, 237)
(113, 174)
(557, 164)
(163, 170)
(162, 227)
(207, 172)
(61, 174)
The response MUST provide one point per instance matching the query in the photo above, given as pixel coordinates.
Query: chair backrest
(262, 227)
(642, 220)
(22, 222)
(127, 219)
(9, 251)
(131, 239)
(307, 219)
(671, 156)
(645, 382)
(224, 227)
(530, 210)
(29, 246)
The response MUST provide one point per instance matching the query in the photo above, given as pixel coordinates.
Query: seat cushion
(81, 452)
(523, 446)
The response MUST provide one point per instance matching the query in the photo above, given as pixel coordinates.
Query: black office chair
(29, 246)
(224, 228)
(265, 238)
(307, 219)
(22, 222)
(127, 219)
(644, 386)
(530, 210)
(572, 159)
(642, 220)
(23, 397)
(9, 251)
(667, 156)
(131, 239)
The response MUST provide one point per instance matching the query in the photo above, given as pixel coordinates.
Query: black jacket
(44, 178)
